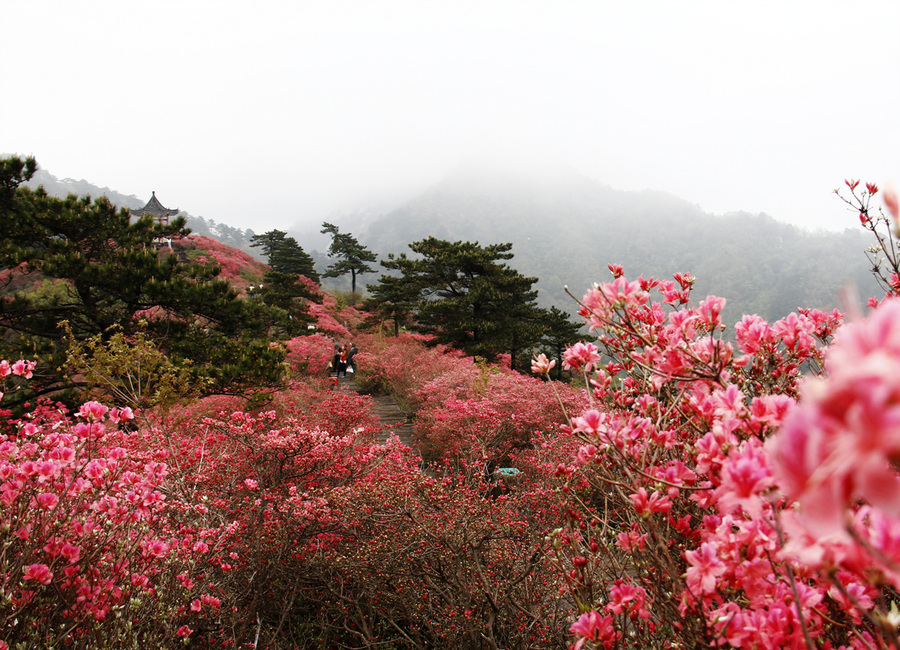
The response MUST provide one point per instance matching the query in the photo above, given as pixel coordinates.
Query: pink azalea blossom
(46, 500)
(22, 368)
(39, 573)
(710, 311)
(591, 422)
(746, 476)
(157, 548)
(586, 454)
(581, 356)
(646, 505)
(624, 597)
(540, 365)
(212, 601)
(891, 202)
(70, 552)
(842, 443)
(704, 570)
(593, 626)
(92, 411)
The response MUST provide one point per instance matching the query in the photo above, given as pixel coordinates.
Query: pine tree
(287, 293)
(393, 299)
(284, 254)
(84, 262)
(467, 297)
(352, 257)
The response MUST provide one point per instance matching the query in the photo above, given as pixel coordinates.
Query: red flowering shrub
(189, 526)
(465, 412)
(238, 267)
(309, 354)
(81, 539)
(481, 415)
(430, 562)
(326, 321)
(401, 365)
(316, 405)
(687, 524)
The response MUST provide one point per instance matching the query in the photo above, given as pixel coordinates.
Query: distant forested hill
(566, 229)
(234, 237)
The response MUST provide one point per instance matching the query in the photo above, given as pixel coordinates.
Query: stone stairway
(394, 421)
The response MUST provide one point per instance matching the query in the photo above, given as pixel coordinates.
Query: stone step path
(394, 421)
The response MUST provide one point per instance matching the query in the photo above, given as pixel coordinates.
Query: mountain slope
(565, 229)
(234, 237)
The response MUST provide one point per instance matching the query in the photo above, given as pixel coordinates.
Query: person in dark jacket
(336, 359)
(351, 362)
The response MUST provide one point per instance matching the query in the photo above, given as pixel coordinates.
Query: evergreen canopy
(352, 257)
(465, 295)
(84, 262)
(284, 254)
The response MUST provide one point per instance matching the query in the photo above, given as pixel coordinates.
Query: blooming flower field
(696, 486)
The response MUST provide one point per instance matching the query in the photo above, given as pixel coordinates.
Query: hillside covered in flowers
(682, 483)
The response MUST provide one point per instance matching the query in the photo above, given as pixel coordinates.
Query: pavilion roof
(155, 209)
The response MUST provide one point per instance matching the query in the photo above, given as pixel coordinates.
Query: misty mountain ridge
(566, 228)
(62, 187)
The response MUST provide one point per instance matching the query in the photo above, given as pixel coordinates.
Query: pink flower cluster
(841, 446)
(735, 535)
(309, 354)
(73, 501)
(20, 368)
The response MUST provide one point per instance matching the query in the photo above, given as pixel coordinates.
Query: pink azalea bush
(440, 562)
(238, 267)
(174, 529)
(309, 354)
(736, 494)
(478, 415)
(399, 365)
(465, 412)
(79, 518)
(704, 489)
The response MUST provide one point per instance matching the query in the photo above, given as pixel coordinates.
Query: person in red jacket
(342, 361)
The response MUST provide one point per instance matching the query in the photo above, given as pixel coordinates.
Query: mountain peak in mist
(566, 228)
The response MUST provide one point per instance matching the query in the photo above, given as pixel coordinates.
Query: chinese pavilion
(156, 210)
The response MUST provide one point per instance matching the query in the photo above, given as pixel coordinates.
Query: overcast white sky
(262, 114)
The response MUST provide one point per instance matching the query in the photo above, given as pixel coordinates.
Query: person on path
(335, 360)
(351, 363)
(342, 361)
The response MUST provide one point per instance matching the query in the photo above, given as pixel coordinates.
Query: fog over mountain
(566, 228)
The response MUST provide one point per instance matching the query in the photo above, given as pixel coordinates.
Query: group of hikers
(343, 359)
